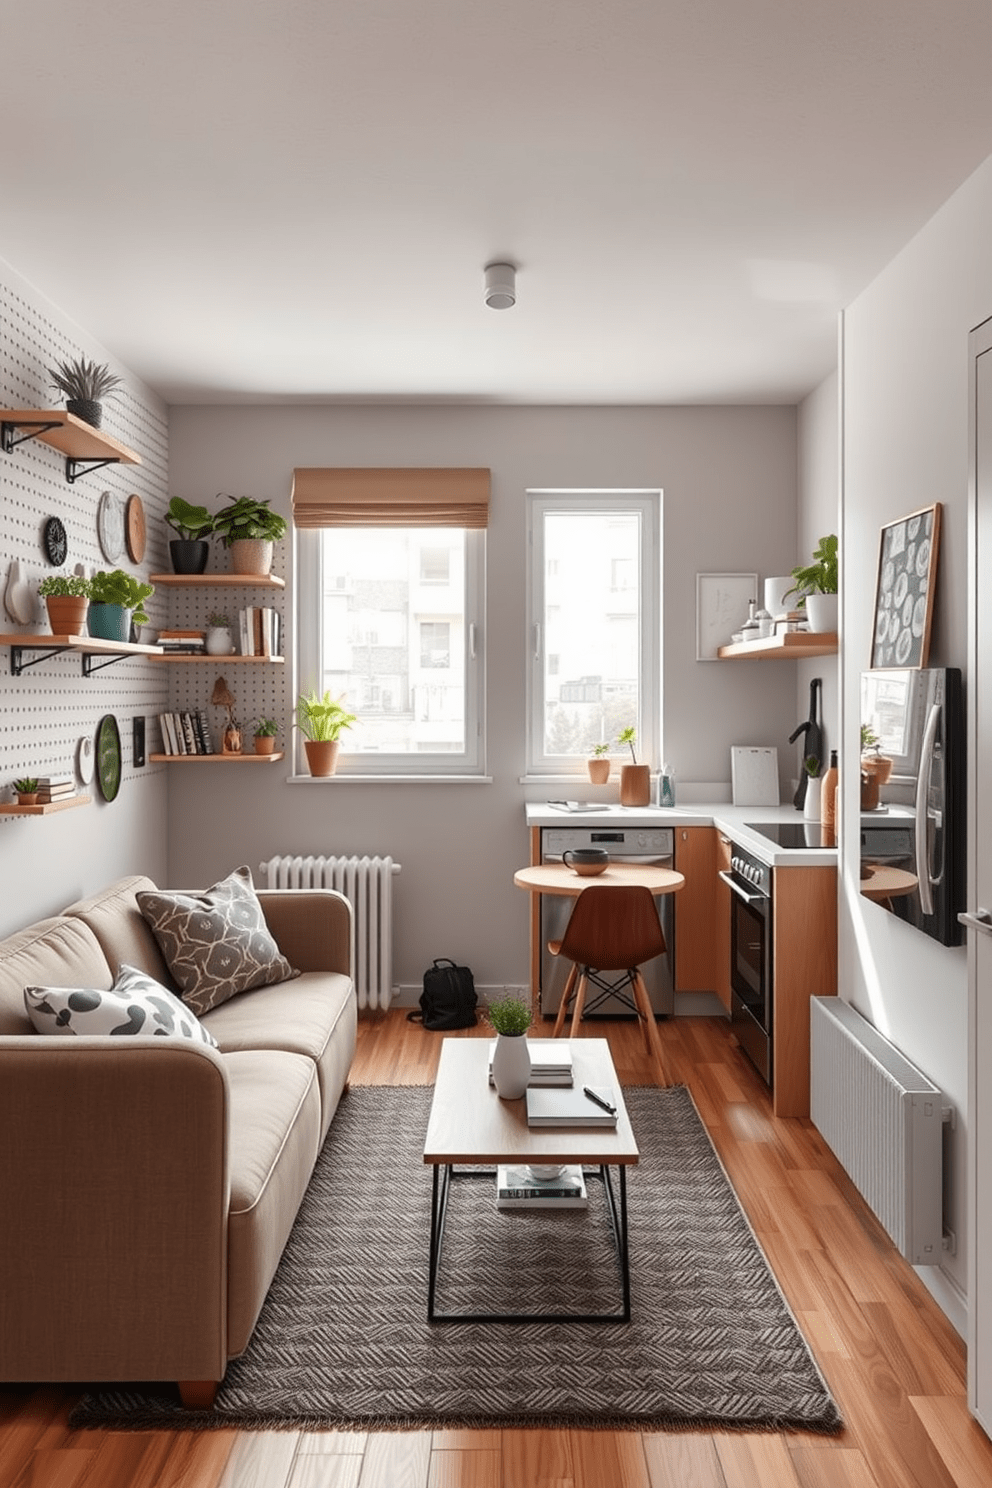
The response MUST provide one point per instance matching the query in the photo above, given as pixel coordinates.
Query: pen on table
(599, 1100)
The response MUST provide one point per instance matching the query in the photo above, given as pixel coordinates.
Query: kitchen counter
(729, 819)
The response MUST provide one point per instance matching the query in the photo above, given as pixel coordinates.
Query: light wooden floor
(894, 1364)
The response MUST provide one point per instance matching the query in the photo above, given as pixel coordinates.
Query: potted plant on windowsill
(598, 764)
(84, 384)
(117, 600)
(817, 584)
(321, 721)
(266, 730)
(510, 1017)
(249, 529)
(67, 599)
(635, 779)
(190, 550)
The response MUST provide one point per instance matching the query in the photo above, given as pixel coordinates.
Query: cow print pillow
(135, 1004)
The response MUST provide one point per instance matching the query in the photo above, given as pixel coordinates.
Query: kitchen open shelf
(86, 646)
(84, 447)
(217, 759)
(47, 809)
(796, 643)
(233, 660)
(261, 581)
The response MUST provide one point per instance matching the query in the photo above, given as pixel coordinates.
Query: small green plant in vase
(321, 720)
(598, 764)
(817, 584)
(266, 730)
(26, 790)
(84, 384)
(249, 528)
(190, 550)
(67, 600)
(635, 779)
(511, 1017)
(117, 601)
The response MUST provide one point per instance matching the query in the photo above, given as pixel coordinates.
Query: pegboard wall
(51, 706)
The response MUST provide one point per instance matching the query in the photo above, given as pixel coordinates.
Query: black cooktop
(792, 834)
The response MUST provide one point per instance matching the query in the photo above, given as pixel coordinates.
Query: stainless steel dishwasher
(654, 845)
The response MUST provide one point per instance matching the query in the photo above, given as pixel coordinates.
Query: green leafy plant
(821, 576)
(628, 736)
(599, 750)
(120, 588)
(321, 719)
(510, 1015)
(64, 586)
(869, 739)
(246, 518)
(266, 728)
(83, 381)
(812, 766)
(28, 786)
(193, 523)
(217, 620)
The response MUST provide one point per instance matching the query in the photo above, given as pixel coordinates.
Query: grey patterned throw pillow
(135, 1004)
(215, 943)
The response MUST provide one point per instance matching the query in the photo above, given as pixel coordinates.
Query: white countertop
(729, 819)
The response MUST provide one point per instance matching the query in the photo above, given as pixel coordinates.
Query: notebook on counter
(571, 1107)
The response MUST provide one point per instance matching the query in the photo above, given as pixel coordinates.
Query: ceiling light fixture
(501, 286)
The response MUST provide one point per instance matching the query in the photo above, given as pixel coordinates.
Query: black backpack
(449, 998)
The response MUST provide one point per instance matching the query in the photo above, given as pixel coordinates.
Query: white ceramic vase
(219, 641)
(821, 613)
(511, 1065)
(811, 801)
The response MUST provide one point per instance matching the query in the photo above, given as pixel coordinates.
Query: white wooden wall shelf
(222, 661)
(216, 759)
(46, 810)
(85, 448)
(87, 647)
(795, 644)
(262, 581)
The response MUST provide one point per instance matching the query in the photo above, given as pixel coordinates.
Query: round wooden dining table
(555, 878)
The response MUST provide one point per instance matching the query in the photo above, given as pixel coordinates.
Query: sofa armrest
(312, 927)
(115, 1184)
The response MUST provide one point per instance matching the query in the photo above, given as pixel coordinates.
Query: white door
(979, 916)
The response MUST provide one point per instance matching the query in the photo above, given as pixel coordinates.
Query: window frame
(469, 763)
(648, 503)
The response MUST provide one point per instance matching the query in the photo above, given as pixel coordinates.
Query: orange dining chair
(612, 929)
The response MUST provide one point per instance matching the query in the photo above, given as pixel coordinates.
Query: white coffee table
(469, 1124)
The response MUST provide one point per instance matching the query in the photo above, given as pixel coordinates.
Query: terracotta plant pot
(28, 798)
(251, 556)
(265, 743)
(322, 755)
(66, 616)
(635, 785)
(599, 771)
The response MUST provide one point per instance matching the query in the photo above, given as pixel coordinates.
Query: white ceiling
(266, 199)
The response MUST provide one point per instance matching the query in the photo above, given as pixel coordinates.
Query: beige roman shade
(398, 497)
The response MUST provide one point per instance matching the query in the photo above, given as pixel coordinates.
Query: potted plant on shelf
(219, 641)
(265, 736)
(190, 550)
(67, 599)
(598, 765)
(84, 384)
(321, 721)
(511, 1017)
(249, 529)
(817, 583)
(117, 600)
(876, 767)
(635, 779)
(26, 791)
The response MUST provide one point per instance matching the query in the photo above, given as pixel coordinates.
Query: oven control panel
(751, 870)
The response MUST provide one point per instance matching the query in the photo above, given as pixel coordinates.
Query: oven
(750, 884)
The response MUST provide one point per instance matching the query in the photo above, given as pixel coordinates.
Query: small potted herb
(84, 384)
(511, 1017)
(190, 550)
(67, 599)
(220, 641)
(817, 584)
(598, 764)
(117, 600)
(635, 779)
(249, 528)
(266, 730)
(26, 790)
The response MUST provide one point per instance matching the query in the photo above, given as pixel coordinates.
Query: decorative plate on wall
(55, 541)
(108, 757)
(85, 759)
(134, 529)
(110, 526)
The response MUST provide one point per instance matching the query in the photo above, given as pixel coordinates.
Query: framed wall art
(722, 601)
(904, 589)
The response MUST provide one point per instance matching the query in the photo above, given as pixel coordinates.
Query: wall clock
(108, 757)
(55, 542)
(110, 526)
(134, 528)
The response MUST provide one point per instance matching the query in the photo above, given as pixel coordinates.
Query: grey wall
(819, 514)
(729, 478)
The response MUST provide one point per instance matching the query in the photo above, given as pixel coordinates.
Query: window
(594, 616)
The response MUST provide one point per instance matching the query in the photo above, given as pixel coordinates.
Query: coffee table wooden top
(555, 878)
(470, 1124)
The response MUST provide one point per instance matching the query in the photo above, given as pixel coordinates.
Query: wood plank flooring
(893, 1362)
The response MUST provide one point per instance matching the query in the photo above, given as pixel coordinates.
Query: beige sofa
(148, 1185)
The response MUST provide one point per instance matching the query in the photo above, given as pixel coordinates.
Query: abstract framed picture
(722, 603)
(904, 589)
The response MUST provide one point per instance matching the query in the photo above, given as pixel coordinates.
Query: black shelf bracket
(8, 433)
(75, 468)
(19, 665)
(91, 665)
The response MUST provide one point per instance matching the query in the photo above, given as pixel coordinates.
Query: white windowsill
(349, 779)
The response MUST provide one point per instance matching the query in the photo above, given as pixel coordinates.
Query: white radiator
(882, 1119)
(367, 884)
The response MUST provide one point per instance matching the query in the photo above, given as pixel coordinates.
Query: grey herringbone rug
(343, 1337)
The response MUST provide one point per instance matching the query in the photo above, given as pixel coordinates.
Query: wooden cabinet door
(696, 910)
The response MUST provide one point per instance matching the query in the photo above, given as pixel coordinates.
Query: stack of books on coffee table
(550, 1061)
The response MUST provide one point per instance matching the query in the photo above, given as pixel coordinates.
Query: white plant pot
(219, 641)
(811, 803)
(511, 1065)
(821, 613)
(775, 591)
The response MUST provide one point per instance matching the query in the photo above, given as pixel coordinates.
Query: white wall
(819, 514)
(905, 387)
(729, 477)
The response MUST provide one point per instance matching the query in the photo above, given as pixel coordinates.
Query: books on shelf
(183, 642)
(518, 1188)
(550, 1061)
(186, 733)
(259, 631)
(572, 1107)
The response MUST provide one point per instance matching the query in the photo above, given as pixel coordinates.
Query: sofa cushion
(215, 943)
(123, 932)
(47, 953)
(135, 1004)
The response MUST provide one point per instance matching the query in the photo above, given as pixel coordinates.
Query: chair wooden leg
(646, 1013)
(573, 972)
(580, 999)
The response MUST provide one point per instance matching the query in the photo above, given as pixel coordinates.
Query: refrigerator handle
(922, 818)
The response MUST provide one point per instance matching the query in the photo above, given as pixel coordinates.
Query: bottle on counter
(666, 786)
(828, 794)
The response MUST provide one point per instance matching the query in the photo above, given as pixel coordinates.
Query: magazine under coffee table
(470, 1127)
